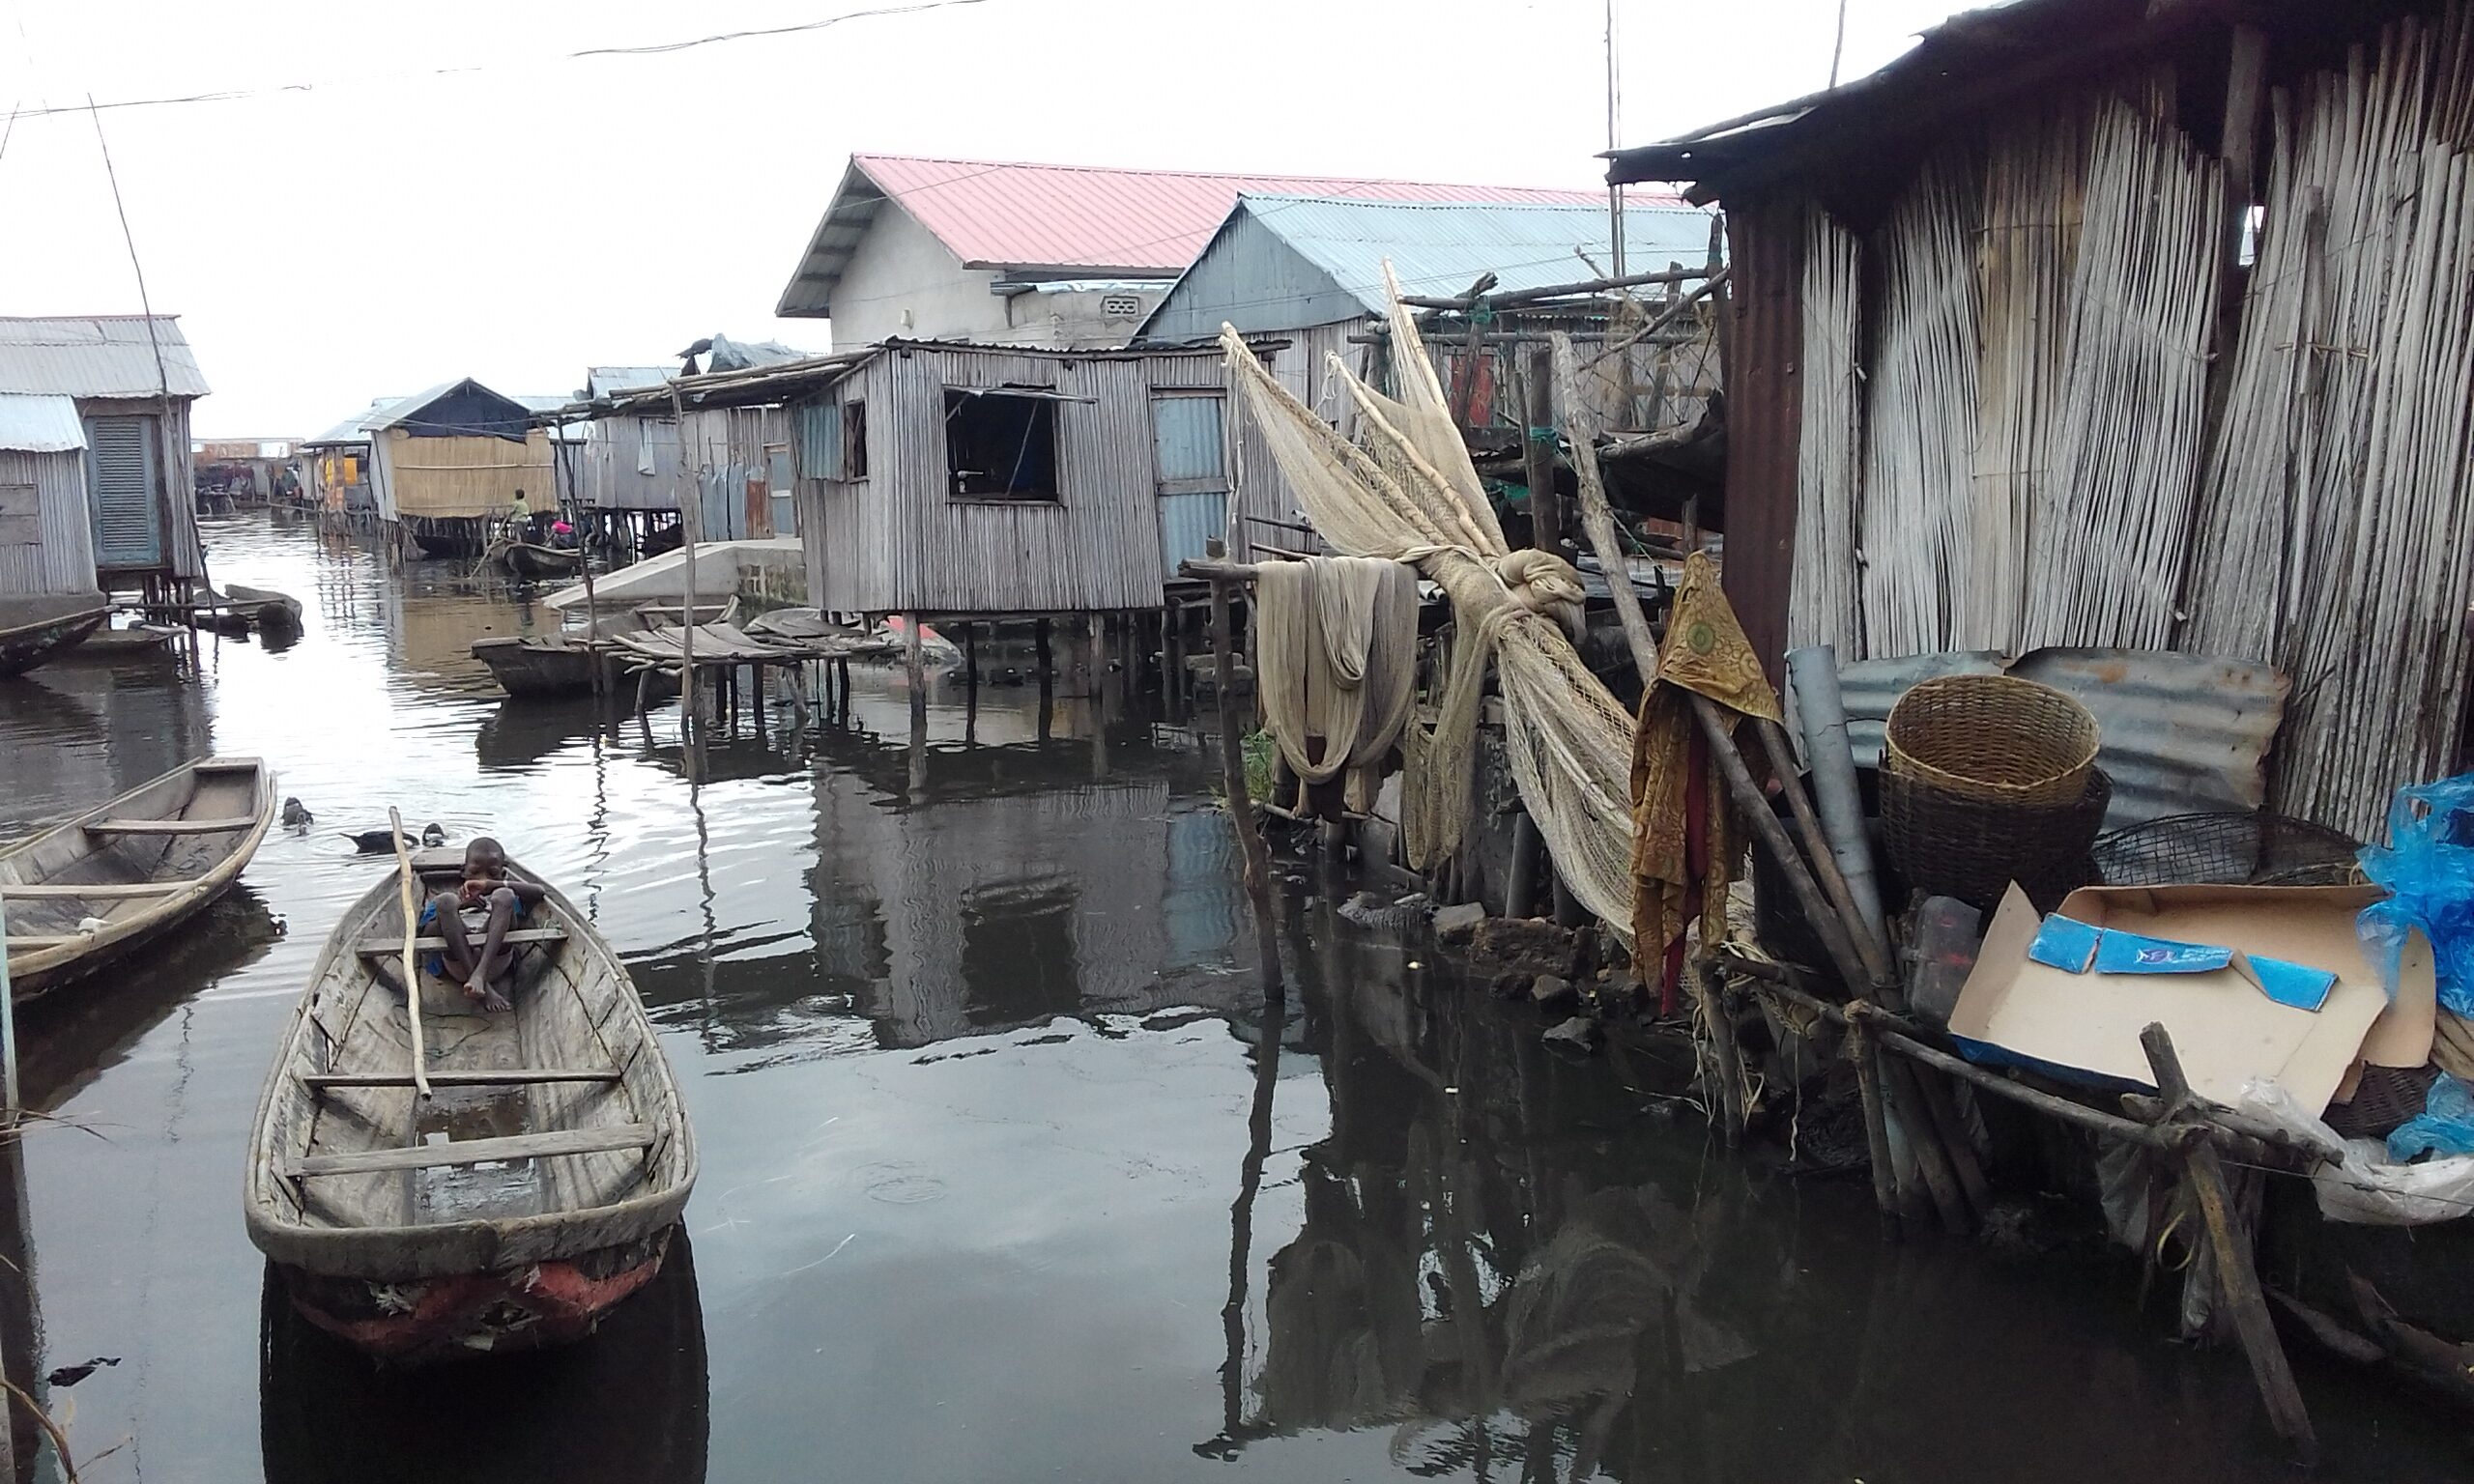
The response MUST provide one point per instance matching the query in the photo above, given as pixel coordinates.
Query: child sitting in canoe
(487, 887)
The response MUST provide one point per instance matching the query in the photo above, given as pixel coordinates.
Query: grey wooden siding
(895, 542)
(62, 558)
(614, 453)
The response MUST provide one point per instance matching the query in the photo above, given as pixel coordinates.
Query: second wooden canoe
(27, 643)
(86, 894)
(562, 664)
(539, 1187)
(526, 560)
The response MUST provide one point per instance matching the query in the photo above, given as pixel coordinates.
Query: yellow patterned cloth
(1704, 653)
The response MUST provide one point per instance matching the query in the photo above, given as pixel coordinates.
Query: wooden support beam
(171, 826)
(377, 947)
(93, 891)
(521, 1146)
(1519, 296)
(517, 1078)
(2235, 1273)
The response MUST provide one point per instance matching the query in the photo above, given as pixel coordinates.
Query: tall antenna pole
(1838, 45)
(1614, 128)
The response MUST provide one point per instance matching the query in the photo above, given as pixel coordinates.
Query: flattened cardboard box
(2226, 1031)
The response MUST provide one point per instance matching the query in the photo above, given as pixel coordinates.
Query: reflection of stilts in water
(1241, 1231)
(704, 898)
(918, 755)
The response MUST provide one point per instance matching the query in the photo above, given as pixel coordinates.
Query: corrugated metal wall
(62, 559)
(736, 455)
(616, 453)
(895, 542)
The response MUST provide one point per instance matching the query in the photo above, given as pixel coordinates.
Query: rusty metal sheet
(2182, 733)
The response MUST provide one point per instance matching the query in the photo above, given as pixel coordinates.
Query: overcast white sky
(413, 194)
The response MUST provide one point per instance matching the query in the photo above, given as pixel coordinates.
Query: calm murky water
(996, 1184)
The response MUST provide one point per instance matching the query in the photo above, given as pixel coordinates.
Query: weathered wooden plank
(513, 1078)
(170, 826)
(521, 1146)
(98, 891)
(387, 947)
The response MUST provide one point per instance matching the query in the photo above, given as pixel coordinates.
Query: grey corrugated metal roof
(97, 356)
(2180, 731)
(1442, 247)
(37, 425)
(354, 429)
(601, 381)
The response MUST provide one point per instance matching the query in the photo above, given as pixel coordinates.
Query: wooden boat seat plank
(521, 1146)
(170, 826)
(389, 948)
(512, 1077)
(96, 890)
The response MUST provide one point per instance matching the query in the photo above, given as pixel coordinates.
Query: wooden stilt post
(1537, 455)
(914, 666)
(971, 657)
(2236, 1277)
(1232, 769)
(1040, 649)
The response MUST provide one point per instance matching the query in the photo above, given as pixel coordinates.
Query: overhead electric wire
(651, 49)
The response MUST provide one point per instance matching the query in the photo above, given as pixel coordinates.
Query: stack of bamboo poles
(2109, 537)
(2332, 538)
(1824, 602)
(1919, 420)
(2033, 176)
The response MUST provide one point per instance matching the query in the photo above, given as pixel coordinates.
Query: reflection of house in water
(1012, 887)
(1004, 909)
(80, 732)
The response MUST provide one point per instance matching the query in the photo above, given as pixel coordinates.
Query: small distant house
(447, 461)
(1058, 256)
(628, 462)
(124, 515)
(960, 481)
(336, 467)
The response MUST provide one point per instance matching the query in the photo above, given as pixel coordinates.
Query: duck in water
(297, 815)
(380, 841)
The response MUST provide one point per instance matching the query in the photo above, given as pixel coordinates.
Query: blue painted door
(121, 474)
(1191, 457)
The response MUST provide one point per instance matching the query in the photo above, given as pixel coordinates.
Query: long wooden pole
(1232, 768)
(2235, 1274)
(691, 521)
(412, 960)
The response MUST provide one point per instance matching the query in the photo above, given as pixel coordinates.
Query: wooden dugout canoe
(26, 645)
(537, 1190)
(526, 560)
(139, 867)
(561, 665)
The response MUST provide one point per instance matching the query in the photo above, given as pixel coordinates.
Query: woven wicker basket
(1993, 738)
(1943, 844)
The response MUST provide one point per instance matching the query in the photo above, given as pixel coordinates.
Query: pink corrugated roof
(994, 213)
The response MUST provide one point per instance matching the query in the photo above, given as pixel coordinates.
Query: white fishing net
(1410, 495)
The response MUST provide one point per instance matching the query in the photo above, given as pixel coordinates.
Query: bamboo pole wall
(1822, 607)
(2107, 541)
(2033, 178)
(1919, 415)
(2332, 537)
